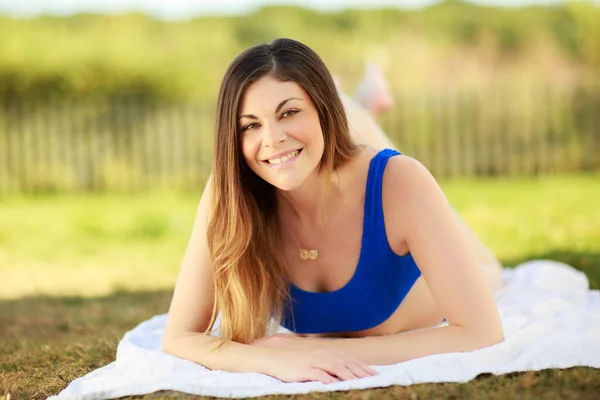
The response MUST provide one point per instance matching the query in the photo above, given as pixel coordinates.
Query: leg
(373, 92)
(364, 130)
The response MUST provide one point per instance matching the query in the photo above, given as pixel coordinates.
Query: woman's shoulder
(409, 191)
(403, 170)
(402, 173)
(407, 183)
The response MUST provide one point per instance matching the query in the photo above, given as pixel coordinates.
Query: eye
(252, 125)
(289, 113)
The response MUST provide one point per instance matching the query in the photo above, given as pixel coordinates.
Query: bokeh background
(106, 138)
(107, 116)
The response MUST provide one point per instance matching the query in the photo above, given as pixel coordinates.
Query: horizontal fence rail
(65, 145)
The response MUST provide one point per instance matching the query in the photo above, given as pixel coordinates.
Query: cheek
(248, 149)
(316, 134)
(317, 137)
(249, 152)
(308, 131)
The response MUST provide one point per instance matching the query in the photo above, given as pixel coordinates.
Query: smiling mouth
(287, 157)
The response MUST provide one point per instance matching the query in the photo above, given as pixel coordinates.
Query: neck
(310, 203)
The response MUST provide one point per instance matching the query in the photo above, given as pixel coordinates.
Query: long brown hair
(250, 278)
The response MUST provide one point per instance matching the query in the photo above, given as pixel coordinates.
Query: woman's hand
(298, 361)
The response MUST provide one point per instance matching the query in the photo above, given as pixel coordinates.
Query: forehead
(267, 93)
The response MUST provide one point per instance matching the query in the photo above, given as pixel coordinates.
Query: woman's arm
(429, 228)
(391, 349)
(191, 308)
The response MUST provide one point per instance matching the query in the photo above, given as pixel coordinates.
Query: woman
(353, 248)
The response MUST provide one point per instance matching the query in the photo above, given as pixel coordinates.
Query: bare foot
(373, 92)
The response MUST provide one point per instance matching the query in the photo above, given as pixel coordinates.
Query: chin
(286, 186)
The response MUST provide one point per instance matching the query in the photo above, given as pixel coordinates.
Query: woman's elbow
(494, 339)
(167, 344)
(490, 337)
(170, 343)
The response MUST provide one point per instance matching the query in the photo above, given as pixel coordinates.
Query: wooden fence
(67, 145)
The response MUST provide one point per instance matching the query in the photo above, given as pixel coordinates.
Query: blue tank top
(381, 280)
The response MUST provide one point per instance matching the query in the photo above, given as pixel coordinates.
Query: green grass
(78, 271)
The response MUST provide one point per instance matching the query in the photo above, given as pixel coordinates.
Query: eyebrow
(276, 109)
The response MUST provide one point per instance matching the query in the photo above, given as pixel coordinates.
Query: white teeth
(284, 158)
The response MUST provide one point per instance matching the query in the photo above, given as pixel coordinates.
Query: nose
(273, 135)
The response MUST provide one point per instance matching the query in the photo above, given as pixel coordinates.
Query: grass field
(78, 271)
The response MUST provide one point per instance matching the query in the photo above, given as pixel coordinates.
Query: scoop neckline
(362, 240)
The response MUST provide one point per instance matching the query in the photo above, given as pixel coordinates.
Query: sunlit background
(107, 116)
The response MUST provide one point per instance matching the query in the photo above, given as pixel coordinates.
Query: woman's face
(281, 135)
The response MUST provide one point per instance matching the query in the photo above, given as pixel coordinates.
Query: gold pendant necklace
(305, 254)
(311, 254)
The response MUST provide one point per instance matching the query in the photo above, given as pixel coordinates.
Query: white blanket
(551, 320)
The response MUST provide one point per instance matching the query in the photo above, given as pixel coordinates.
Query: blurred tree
(134, 55)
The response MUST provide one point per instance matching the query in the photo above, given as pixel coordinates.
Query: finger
(361, 365)
(358, 370)
(340, 370)
(322, 376)
(368, 369)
